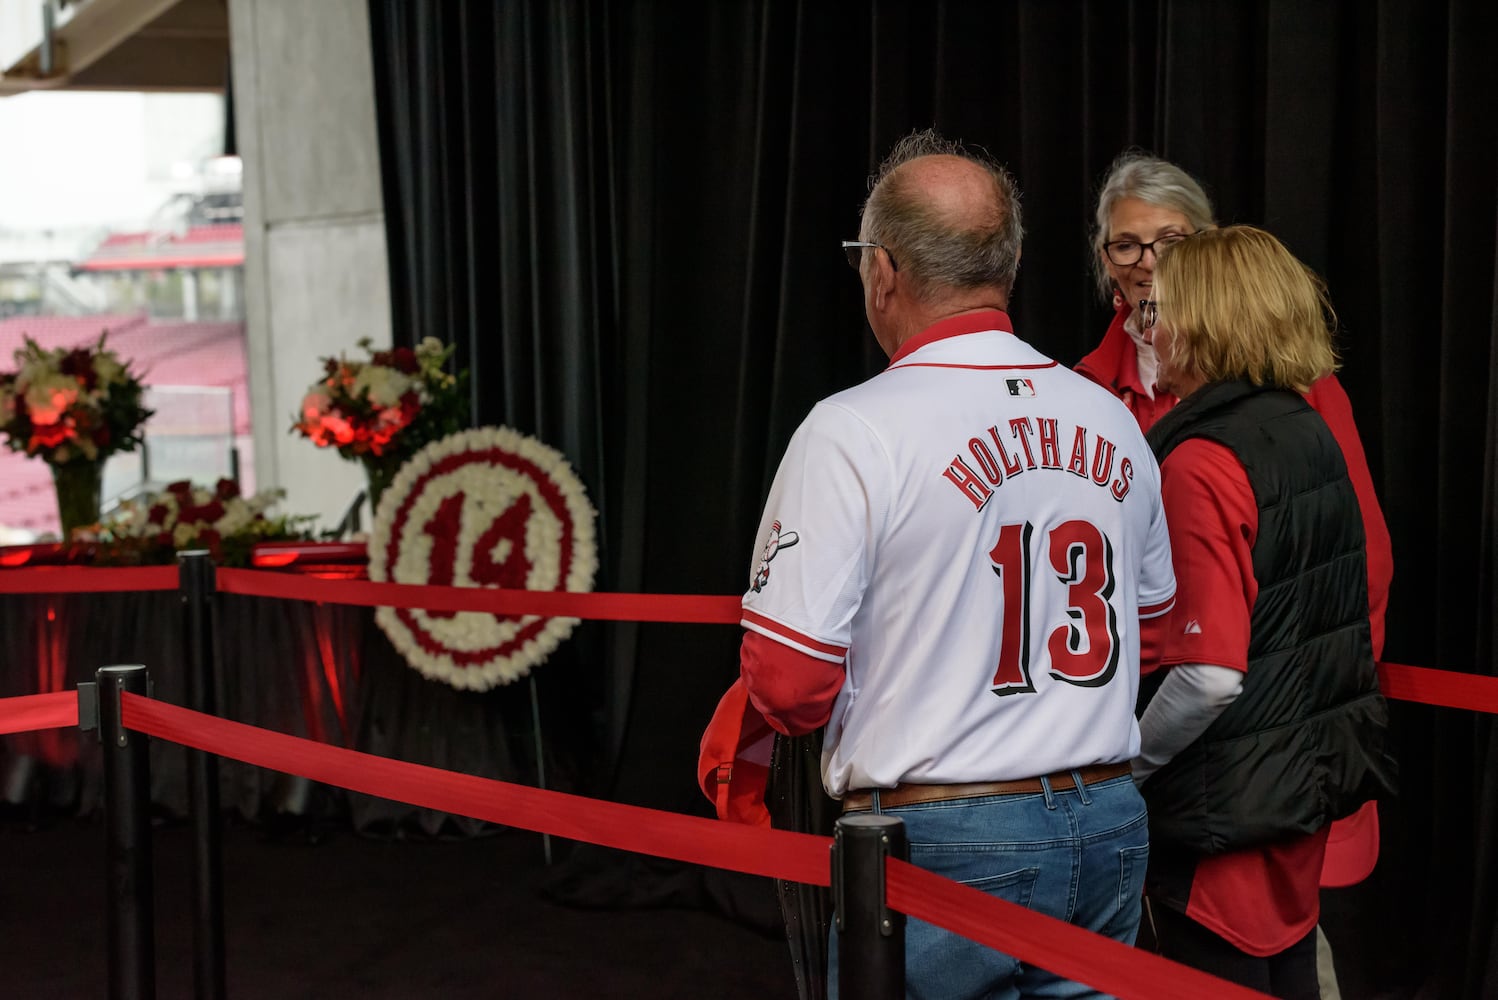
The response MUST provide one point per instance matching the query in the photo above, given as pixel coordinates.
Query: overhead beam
(131, 45)
(153, 64)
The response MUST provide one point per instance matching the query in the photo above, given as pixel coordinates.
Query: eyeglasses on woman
(1126, 253)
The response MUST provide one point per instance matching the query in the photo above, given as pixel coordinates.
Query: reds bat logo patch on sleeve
(779, 539)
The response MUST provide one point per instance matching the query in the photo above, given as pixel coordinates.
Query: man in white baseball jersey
(956, 560)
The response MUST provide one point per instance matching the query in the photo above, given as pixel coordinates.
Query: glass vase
(380, 470)
(79, 488)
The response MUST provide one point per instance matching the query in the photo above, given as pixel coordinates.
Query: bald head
(956, 191)
(948, 215)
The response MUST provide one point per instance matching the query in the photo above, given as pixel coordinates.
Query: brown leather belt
(907, 795)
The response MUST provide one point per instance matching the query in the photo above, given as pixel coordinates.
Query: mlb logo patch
(1020, 386)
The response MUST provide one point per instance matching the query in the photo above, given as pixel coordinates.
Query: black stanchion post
(195, 573)
(540, 757)
(871, 936)
(127, 807)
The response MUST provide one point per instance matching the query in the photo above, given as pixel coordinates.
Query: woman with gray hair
(1145, 206)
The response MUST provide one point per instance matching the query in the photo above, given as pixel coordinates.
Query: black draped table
(321, 671)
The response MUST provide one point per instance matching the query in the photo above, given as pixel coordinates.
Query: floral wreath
(488, 507)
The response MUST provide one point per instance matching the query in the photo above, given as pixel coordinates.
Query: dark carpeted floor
(320, 912)
(348, 916)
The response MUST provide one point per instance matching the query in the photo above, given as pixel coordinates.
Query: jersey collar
(973, 322)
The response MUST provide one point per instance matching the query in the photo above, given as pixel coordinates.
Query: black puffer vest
(1304, 742)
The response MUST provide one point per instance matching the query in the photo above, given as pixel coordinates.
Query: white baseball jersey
(975, 533)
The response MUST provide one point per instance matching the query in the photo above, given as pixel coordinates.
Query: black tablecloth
(324, 672)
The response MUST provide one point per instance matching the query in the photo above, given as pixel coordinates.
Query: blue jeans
(1077, 855)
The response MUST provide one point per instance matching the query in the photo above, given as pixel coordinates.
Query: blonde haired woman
(1266, 723)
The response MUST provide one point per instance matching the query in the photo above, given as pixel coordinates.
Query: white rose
(140, 516)
(384, 386)
(237, 515)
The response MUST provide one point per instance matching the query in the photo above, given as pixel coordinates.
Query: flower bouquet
(151, 529)
(381, 411)
(72, 408)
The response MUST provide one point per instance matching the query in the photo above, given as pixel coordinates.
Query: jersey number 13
(1083, 651)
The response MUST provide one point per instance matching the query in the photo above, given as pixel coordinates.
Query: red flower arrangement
(151, 528)
(389, 405)
(70, 405)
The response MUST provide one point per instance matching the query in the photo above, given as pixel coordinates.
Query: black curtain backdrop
(626, 216)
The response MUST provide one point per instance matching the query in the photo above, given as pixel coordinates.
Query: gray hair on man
(1137, 174)
(935, 250)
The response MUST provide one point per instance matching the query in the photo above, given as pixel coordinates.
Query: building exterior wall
(316, 278)
(20, 29)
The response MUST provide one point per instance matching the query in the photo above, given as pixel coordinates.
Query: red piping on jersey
(1153, 610)
(784, 632)
(973, 322)
(977, 368)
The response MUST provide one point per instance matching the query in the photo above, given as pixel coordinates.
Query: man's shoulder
(1010, 367)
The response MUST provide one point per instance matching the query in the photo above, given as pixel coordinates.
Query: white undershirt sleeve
(1190, 698)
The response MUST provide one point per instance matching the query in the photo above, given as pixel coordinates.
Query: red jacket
(1114, 365)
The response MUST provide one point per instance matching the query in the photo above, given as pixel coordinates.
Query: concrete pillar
(316, 278)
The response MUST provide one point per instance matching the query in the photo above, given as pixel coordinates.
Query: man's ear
(884, 278)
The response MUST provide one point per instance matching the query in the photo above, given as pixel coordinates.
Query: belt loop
(874, 803)
(1050, 796)
(1076, 776)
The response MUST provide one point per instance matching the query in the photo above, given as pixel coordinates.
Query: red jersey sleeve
(793, 691)
(1213, 519)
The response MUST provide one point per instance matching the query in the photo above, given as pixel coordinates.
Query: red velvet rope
(1476, 692)
(1052, 944)
(1447, 688)
(86, 579)
(38, 711)
(736, 847)
(679, 608)
(1043, 941)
